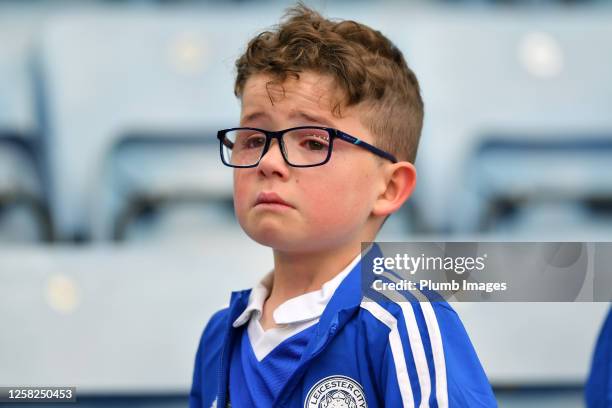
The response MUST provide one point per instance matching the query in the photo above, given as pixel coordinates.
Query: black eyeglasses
(303, 146)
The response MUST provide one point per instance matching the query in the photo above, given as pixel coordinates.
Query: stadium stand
(118, 143)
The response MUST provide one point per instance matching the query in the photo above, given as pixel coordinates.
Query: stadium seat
(24, 214)
(105, 73)
(163, 186)
(539, 186)
(502, 71)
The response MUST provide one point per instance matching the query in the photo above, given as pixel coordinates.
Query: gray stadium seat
(164, 186)
(511, 71)
(539, 186)
(24, 214)
(106, 72)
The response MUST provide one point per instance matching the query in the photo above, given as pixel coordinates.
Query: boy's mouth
(271, 198)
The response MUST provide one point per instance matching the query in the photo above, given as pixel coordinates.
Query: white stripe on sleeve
(416, 345)
(438, 353)
(435, 338)
(397, 350)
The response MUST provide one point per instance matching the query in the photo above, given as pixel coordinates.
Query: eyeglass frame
(332, 132)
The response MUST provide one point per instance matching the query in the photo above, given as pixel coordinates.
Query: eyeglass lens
(302, 147)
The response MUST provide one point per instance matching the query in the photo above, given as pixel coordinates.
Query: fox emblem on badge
(336, 391)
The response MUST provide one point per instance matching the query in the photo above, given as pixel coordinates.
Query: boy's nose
(273, 161)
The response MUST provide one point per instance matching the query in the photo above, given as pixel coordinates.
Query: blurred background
(117, 234)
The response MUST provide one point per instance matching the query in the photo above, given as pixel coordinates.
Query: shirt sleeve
(207, 360)
(429, 360)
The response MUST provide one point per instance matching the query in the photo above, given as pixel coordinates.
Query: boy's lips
(271, 198)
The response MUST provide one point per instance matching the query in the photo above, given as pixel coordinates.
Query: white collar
(297, 309)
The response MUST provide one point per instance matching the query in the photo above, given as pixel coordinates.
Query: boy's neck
(297, 274)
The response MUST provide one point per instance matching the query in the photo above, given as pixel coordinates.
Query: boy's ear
(400, 181)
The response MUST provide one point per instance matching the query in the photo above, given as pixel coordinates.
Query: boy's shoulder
(428, 338)
(213, 337)
(388, 307)
(218, 320)
(415, 318)
(213, 334)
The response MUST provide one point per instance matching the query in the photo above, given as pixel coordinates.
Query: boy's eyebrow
(292, 115)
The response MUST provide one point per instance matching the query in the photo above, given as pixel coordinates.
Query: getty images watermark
(488, 271)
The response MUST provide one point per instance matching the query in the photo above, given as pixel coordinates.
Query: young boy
(330, 123)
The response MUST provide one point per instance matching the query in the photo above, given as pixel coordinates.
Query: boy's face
(328, 205)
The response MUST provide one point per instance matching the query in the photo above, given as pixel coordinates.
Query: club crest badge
(336, 391)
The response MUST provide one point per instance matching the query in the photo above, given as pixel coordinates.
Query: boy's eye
(314, 141)
(315, 145)
(253, 141)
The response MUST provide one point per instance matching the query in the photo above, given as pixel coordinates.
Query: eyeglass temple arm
(365, 145)
(228, 143)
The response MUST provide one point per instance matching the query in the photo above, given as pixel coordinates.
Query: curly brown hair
(366, 66)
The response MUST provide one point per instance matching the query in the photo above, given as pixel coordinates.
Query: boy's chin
(281, 240)
(275, 240)
(270, 231)
(290, 243)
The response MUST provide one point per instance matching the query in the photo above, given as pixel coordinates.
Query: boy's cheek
(240, 201)
(240, 188)
(335, 207)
